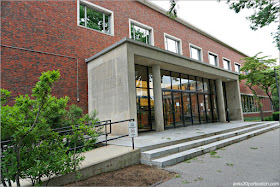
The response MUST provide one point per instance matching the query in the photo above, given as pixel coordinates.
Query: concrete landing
(152, 140)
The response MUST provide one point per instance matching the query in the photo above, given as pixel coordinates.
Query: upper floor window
(95, 17)
(226, 64)
(141, 32)
(213, 59)
(173, 44)
(196, 52)
(237, 67)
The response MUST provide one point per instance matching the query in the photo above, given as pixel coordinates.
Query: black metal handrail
(69, 129)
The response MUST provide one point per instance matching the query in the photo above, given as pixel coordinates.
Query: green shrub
(269, 118)
(275, 116)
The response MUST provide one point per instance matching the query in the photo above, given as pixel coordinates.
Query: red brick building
(38, 36)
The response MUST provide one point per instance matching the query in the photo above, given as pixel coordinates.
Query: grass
(213, 152)
(223, 149)
(253, 148)
(215, 156)
(228, 164)
(252, 118)
(198, 179)
(185, 182)
(219, 171)
(177, 176)
(190, 160)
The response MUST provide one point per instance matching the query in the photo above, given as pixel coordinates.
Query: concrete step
(196, 137)
(172, 159)
(147, 156)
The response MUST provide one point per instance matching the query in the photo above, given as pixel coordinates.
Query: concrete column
(221, 103)
(158, 98)
(234, 100)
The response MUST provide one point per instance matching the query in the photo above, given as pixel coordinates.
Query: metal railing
(68, 130)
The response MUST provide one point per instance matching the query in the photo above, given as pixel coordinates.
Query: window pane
(140, 34)
(107, 24)
(195, 53)
(206, 85)
(165, 80)
(192, 83)
(172, 45)
(82, 15)
(237, 68)
(226, 64)
(184, 82)
(94, 19)
(175, 81)
(213, 59)
(141, 76)
(199, 84)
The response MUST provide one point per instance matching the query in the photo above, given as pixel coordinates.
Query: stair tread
(200, 148)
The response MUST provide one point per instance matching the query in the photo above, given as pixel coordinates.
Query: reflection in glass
(187, 108)
(178, 109)
(150, 78)
(199, 84)
(202, 108)
(140, 34)
(205, 85)
(165, 79)
(208, 108)
(195, 109)
(175, 77)
(192, 83)
(184, 82)
(167, 108)
(214, 106)
(141, 76)
(212, 87)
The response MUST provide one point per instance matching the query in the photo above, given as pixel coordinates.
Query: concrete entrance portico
(111, 81)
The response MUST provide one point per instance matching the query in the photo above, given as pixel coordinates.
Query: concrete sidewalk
(149, 140)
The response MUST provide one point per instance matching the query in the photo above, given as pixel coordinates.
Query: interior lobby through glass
(187, 99)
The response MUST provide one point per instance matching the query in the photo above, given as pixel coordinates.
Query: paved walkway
(253, 160)
(153, 138)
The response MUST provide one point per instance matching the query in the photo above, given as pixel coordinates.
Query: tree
(266, 12)
(256, 68)
(33, 149)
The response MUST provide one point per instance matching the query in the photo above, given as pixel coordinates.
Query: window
(140, 32)
(226, 64)
(196, 52)
(95, 17)
(213, 59)
(237, 67)
(173, 44)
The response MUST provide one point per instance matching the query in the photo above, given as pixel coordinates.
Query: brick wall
(52, 27)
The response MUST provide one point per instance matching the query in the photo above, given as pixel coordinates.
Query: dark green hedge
(275, 116)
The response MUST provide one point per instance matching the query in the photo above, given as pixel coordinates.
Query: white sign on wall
(132, 129)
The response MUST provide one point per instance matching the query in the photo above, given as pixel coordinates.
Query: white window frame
(230, 69)
(211, 53)
(143, 26)
(194, 46)
(99, 9)
(235, 63)
(175, 39)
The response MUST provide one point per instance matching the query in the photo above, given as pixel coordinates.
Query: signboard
(132, 129)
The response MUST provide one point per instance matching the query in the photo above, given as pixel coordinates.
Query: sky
(224, 24)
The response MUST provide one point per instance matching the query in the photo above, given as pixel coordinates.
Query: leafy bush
(35, 150)
(270, 118)
(275, 116)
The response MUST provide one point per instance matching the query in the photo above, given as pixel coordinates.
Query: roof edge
(128, 40)
(189, 25)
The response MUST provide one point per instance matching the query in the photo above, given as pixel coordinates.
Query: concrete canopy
(111, 79)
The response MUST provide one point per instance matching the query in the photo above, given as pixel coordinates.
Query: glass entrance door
(173, 109)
